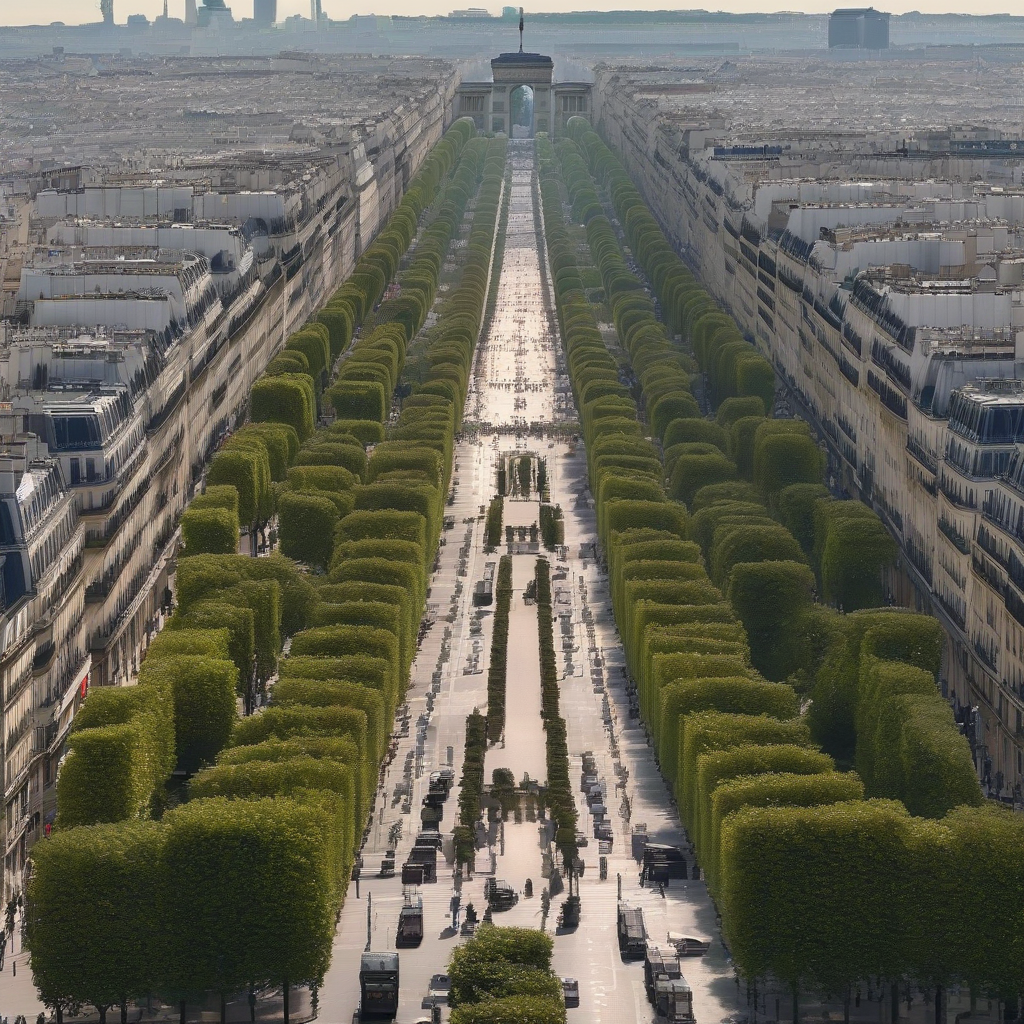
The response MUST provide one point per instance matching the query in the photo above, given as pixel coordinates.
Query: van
(410, 921)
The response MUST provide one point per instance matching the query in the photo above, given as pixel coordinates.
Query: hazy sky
(17, 12)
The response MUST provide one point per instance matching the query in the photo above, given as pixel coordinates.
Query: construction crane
(107, 10)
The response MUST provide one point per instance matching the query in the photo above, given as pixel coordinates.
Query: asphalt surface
(517, 399)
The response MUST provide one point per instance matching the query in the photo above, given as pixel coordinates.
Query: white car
(688, 945)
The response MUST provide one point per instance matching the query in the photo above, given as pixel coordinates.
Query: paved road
(520, 380)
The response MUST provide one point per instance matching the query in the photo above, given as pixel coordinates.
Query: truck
(410, 920)
(483, 592)
(440, 783)
(632, 934)
(659, 963)
(378, 986)
(638, 840)
(663, 862)
(673, 1001)
(426, 856)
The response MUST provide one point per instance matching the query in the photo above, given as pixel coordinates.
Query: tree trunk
(223, 1009)
(940, 1005)
(895, 1000)
(286, 1009)
(124, 1011)
(103, 1014)
(60, 1013)
(796, 1004)
(183, 1012)
(846, 1007)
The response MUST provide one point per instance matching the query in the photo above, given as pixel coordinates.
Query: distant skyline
(72, 12)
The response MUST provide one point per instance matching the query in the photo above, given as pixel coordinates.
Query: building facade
(145, 311)
(45, 661)
(893, 309)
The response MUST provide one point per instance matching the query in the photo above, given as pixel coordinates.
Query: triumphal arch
(492, 104)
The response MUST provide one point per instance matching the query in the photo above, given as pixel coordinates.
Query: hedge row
(560, 799)
(792, 851)
(471, 788)
(245, 879)
(347, 308)
(497, 668)
(492, 527)
(504, 976)
(222, 640)
(215, 894)
(382, 545)
(733, 367)
(552, 526)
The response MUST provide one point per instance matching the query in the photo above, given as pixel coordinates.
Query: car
(582, 840)
(438, 989)
(571, 992)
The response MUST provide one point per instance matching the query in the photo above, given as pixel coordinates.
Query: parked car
(688, 945)
(571, 992)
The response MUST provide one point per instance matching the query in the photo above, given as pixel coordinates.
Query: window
(71, 432)
(499, 124)
(574, 104)
(472, 104)
(90, 469)
(76, 471)
(498, 106)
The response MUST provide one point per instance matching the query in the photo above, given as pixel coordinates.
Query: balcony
(100, 538)
(987, 658)
(988, 572)
(957, 616)
(957, 539)
(895, 402)
(954, 497)
(925, 457)
(987, 543)
(920, 560)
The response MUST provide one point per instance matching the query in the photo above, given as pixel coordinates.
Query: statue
(520, 30)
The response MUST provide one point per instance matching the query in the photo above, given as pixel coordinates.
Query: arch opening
(521, 113)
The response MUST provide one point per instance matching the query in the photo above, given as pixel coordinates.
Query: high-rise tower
(264, 12)
(107, 10)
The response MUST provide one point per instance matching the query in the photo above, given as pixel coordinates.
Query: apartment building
(148, 303)
(45, 661)
(893, 308)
